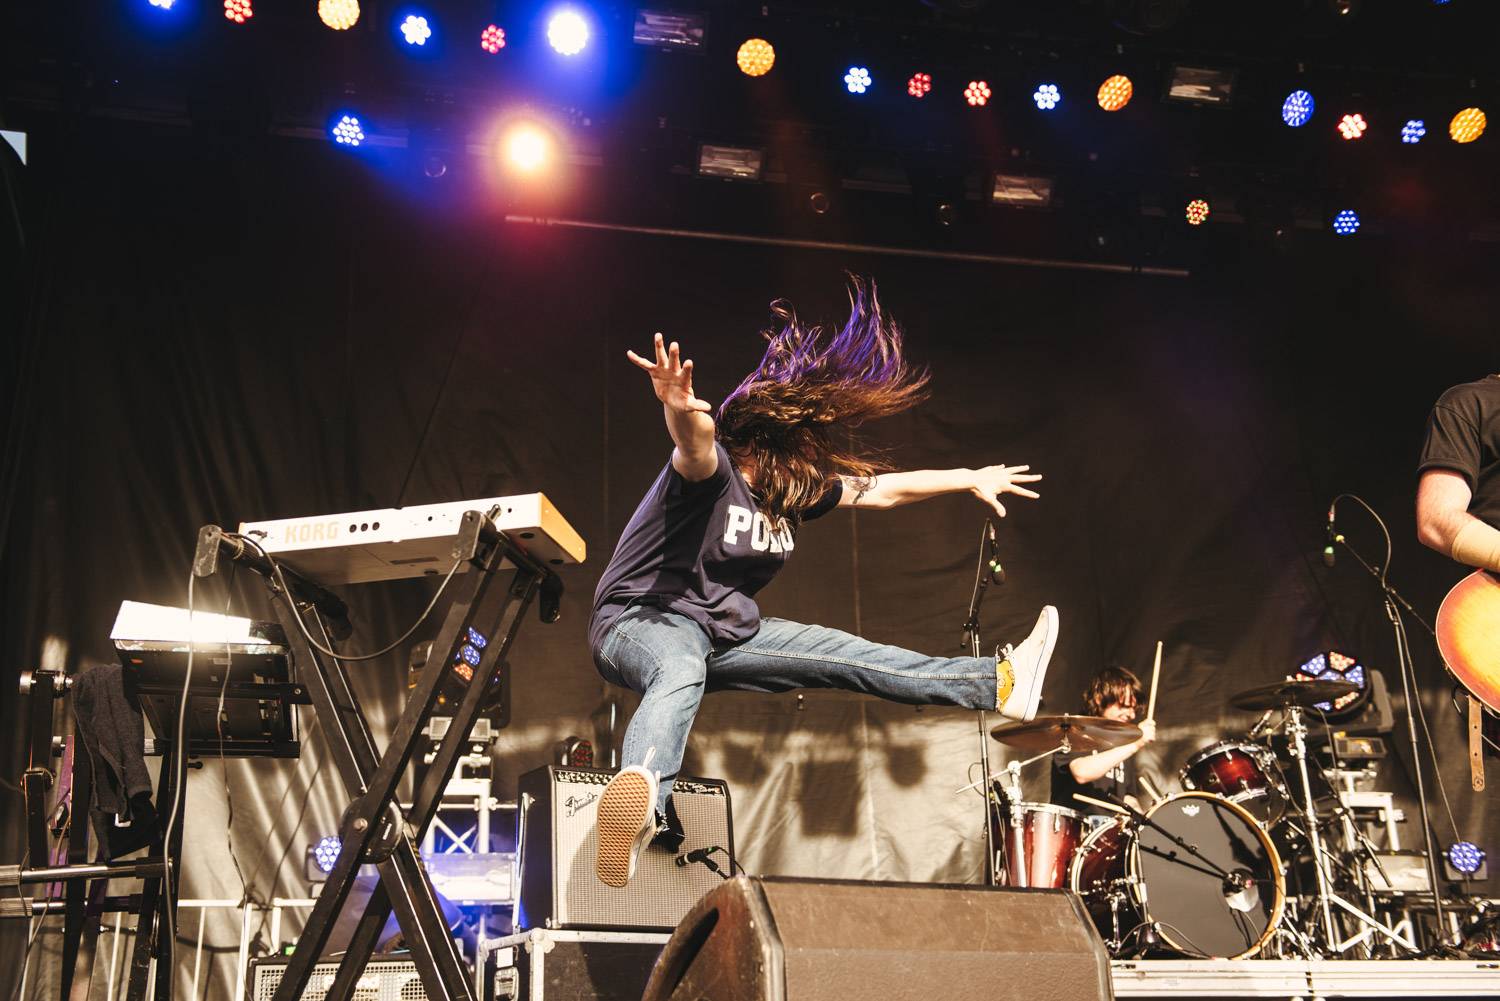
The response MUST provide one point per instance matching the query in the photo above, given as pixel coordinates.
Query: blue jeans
(671, 662)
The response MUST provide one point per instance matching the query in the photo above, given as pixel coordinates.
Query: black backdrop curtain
(219, 332)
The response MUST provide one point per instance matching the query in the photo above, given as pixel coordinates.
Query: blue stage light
(1413, 131)
(477, 639)
(1047, 96)
(416, 30)
(1465, 857)
(163, 4)
(347, 131)
(857, 79)
(1297, 108)
(468, 655)
(326, 852)
(568, 32)
(1346, 222)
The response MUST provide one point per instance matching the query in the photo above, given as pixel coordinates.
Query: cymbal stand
(1326, 898)
(1297, 730)
(1009, 781)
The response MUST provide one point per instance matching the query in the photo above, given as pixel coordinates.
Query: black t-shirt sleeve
(1452, 443)
(715, 484)
(827, 502)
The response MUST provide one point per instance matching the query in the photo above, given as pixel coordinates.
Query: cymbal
(1083, 733)
(1291, 693)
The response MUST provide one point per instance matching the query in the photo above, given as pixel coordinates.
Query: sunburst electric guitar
(1468, 637)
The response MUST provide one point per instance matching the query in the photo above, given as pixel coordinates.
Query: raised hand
(992, 481)
(671, 378)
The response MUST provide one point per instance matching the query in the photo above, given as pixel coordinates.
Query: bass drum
(1220, 900)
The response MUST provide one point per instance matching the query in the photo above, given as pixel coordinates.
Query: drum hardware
(1078, 733)
(1289, 693)
(1031, 844)
(1242, 772)
(1324, 895)
(1208, 866)
(1149, 879)
(1010, 855)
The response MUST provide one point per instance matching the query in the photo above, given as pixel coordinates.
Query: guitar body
(1468, 635)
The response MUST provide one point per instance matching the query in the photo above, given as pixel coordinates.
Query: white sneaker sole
(1048, 622)
(623, 824)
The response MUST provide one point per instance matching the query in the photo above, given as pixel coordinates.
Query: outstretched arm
(688, 420)
(1445, 524)
(895, 489)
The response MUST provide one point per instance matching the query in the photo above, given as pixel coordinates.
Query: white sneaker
(1028, 666)
(625, 822)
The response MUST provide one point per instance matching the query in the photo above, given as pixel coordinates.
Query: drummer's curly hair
(790, 421)
(1109, 687)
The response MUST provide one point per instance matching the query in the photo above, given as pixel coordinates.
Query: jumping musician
(675, 613)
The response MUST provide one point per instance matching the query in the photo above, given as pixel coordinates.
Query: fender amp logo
(576, 803)
(310, 531)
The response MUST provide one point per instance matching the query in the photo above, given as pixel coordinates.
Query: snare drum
(1221, 899)
(1241, 772)
(1034, 844)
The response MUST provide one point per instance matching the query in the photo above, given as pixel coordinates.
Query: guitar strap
(1476, 744)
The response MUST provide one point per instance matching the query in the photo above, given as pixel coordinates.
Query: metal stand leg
(1299, 751)
(373, 829)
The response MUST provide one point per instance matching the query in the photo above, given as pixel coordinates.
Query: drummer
(1115, 693)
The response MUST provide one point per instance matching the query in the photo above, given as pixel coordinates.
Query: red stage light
(977, 93)
(238, 11)
(493, 39)
(920, 85)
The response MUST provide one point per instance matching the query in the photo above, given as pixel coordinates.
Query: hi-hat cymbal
(1290, 693)
(1083, 733)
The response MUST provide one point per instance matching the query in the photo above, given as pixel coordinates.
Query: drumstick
(1155, 674)
(1101, 804)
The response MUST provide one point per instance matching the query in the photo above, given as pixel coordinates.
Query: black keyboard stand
(374, 829)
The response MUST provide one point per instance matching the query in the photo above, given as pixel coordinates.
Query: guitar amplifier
(382, 980)
(557, 843)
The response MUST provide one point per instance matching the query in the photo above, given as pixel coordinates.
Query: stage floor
(1278, 978)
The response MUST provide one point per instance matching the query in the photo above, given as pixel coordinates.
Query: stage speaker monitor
(781, 939)
(558, 886)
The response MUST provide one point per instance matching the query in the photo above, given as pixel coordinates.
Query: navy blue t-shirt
(702, 549)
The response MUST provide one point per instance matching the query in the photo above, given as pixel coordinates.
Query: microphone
(992, 558)
(1332, 536)
(1260, 725)
(702, 855)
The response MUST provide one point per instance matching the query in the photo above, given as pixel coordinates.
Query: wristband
(1477, 545)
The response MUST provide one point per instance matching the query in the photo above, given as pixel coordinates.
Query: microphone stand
(971, 640)
(1394, 605)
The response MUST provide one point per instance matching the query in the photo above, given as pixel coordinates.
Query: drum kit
(1200, 873)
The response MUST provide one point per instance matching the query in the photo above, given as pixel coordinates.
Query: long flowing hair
(790, 422)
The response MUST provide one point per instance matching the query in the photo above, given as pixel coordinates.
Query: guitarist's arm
(1445, 524)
